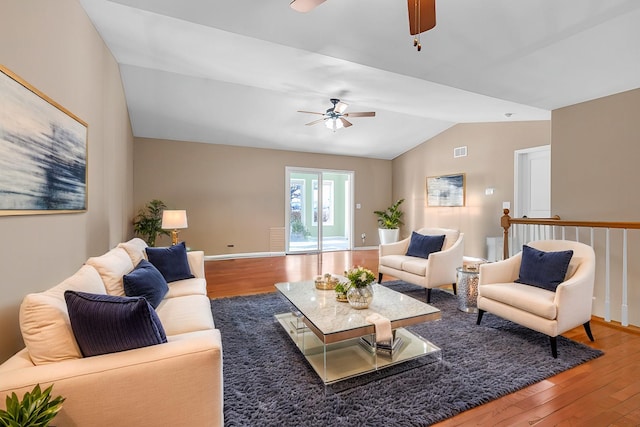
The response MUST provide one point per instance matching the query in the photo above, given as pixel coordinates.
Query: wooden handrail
(506, 221)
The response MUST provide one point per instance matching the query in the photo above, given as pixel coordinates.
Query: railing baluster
(607, 274)
(591, 233)
(577, 235)
(625, 307)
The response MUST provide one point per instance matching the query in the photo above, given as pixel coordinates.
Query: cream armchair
(542, 310)
(436, 271)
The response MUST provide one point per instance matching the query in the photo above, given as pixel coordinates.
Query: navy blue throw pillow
(544, 270)
(107, 323)
(422, 246)
(172, 262)
(146, 281)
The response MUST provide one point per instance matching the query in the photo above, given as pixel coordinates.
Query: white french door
(318, 210)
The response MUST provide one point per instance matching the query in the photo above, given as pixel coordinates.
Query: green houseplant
(389, 222)
(36, 409)
(148, 223)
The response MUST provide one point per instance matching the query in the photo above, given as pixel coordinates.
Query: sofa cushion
(44, 321)
(543, 269)
(107, 323)
(146, 281)
(171, 261)
(185, 314)
(530, 299)
(135, 249)
(112, 266)
(415, 265)
(180, 288)
(393, 261)
(422, 246)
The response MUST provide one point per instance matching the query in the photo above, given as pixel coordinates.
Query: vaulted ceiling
(236, 71)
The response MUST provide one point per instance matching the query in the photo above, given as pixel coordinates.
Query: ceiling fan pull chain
(415, 23)
(416, 41)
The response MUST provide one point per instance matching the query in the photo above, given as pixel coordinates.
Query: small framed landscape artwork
(446, 190)
(43, 152)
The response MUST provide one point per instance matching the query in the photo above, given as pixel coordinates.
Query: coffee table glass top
(330, 316)
(337, 340)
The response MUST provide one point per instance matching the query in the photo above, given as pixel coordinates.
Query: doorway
(318, 210)
(532, 193)
(532, 198)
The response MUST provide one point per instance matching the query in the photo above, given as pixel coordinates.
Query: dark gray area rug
(267, 381)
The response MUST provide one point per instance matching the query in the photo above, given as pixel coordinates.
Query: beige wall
(54, 47)
(595, 177)
(234, 195)
(489, 164)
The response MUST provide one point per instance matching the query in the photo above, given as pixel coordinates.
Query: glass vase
(360, 298)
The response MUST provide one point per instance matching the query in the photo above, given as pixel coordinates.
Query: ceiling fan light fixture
(333, 124)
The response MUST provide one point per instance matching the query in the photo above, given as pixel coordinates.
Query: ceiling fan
(334, 117)
(422, 15)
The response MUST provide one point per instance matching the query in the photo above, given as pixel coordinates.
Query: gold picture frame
(43, 152)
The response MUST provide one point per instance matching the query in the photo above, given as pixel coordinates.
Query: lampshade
(172, 220)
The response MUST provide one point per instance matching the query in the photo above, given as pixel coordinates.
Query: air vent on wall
(460, 152)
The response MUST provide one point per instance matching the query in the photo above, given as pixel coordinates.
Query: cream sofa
(177, 383)
(436, 271)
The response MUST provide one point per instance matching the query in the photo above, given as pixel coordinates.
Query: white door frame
(349, 214)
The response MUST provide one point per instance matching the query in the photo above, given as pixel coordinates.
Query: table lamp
(174, 220)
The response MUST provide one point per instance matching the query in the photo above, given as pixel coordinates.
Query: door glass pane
(303, 233)
(336, 220)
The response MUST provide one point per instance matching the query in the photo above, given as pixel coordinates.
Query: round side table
(467, 288)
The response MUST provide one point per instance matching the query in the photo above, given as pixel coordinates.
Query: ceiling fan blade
(361, 114)
(315, 122)
(345, 123)
(423, 21)
(305, 5)
(311, 112)
(340, 107)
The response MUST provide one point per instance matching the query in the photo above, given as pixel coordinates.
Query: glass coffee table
(339, 343)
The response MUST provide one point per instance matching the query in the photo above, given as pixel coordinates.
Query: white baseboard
(265, 254)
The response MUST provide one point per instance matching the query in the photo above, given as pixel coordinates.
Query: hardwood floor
(602, 392)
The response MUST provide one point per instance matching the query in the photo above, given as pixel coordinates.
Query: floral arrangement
(360, 277)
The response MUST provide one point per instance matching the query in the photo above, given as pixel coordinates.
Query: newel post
(505, 223)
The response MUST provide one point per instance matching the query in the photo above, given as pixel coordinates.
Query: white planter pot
(388, 235)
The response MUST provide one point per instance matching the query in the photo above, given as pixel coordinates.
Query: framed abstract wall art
(43, 152)
(446, 190)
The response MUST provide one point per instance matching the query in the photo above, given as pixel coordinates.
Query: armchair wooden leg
(480, 313)
(428, 295)
(379, 277)
(587, 329)
(554, 347)
(455, 288)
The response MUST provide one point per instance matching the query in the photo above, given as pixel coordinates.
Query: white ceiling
(236, 71)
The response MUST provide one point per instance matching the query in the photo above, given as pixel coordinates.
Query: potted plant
(389, 222)
(341, 291)
(360, 291)
(148, 223)
(36, 409)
